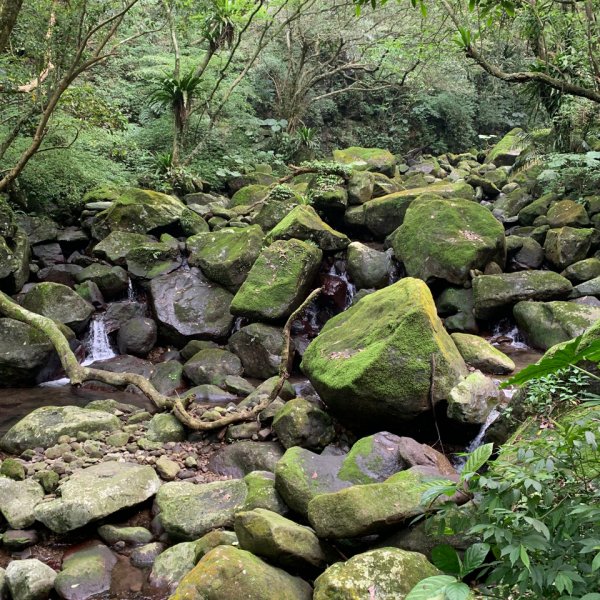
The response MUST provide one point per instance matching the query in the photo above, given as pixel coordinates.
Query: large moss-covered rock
(567, 212)
(507, 150)
(384, 573)
(494, 292)
(173, 565)
(303, 223)
(86, 572)
(262, 493)
(111, 281)
(139, 211)
(96, 492)
(302, 423)
(212, 365)
(480, 354)
(187, 306)
(259, 347)
(446, 239)
(241, 458)
(567, 245)
(227, 255)
(583, 270)
(18, 500)
(188, 511)
(249, 194)
(153, 259)
(42, 427)
(226, 572)
(369, 268)
(364, 509)
(545, 324)
(15, 253)
(278, 281)
(60, 303)
(25, 354)
(301, 474)
(372, 363)
(367, 159)
(278, 539)
(30, 579)
(472, 399)
(115, 246)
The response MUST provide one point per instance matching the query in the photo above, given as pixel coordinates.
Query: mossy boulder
(153, 259)
(278, 539)
(508, 149)
(367, 159)
(372, 363)
(188, 511)
(139, 211)
(301, 475)
(15, 253)
(226, 256)
(364, 509)
(18, 500)
(278, 281)
(360, 187)
(111, 281)
(8, 222)
(303, 223)
(137, 336)
(567, 245)
(60, 303)
(165, 427)
(96, 492)
(545, 324)
(523, 253)
(302, 423)
(187, 306)
(390, 571)
(368, 267)
(528, 214)
(225, 572)
(262, 493)
(456, 305)
(259, 347)
(43, 427)
(192, 223)
(29, 579)
(494, 292)
(480, 354)
(446, 239)
(116, 245)
(583, 270)
(212, 366)
(472, 399)
(567, 213)
(86, 572)
(25, 354)
(249, 194)
(172, 565)
(241, 458)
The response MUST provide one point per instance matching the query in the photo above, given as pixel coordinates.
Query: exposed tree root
(79, 374)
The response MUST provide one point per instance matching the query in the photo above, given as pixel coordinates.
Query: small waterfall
(506, 332)
(97, 343)
(459, 463)
(130, 291)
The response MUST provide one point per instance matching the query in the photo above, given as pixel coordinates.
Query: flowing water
(460, 461)
(97, 342)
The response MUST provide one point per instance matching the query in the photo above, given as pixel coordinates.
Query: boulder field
(316, 495)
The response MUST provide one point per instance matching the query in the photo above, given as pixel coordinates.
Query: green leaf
(564, 357)
(477, 459)
(596, 562)
(446, 559)
(474, 558)
(524, 557)
(457, 591)
(592, 596)
(429, 588)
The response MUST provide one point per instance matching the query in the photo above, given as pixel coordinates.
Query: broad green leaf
(477, 459)
(446, 559)
(596, 562)
(457, 591)
(524, 557)
(431, 588)
(592, 596)
(474, 557)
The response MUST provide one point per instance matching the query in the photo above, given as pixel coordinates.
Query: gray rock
(302, 423)
(144, 556)
(165, 427)
(241, 458)
(369, 268)
(44, 426)
(137, 336)
(172, 565)
(96, 492)
(134, 536)
(30, 579)
(86, 572)
(259, 347)
(212, 366)
(188, 511)
(18, 500)
(112, 281)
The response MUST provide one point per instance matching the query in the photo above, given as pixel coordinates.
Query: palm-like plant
(218, 26)
(176, 93)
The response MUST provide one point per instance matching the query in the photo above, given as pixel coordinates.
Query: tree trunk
(9, 11)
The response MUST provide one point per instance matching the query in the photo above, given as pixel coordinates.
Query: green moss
(508, 145)
(278, 281)
(367, 159)
(249, 194)
(362, 451)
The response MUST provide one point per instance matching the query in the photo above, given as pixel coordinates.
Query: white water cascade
(459, 463)
(97, 343)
